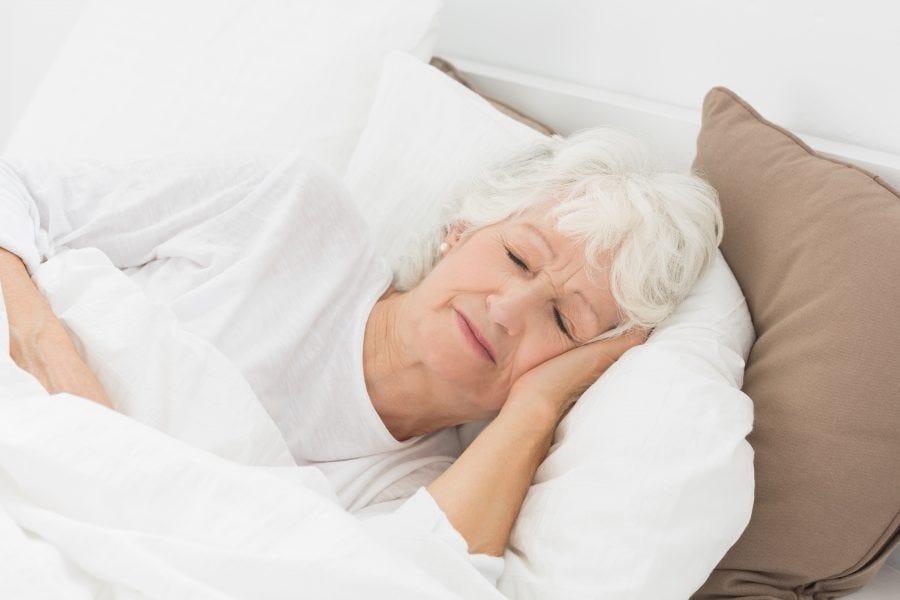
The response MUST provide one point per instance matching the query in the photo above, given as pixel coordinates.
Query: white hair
(616, 198)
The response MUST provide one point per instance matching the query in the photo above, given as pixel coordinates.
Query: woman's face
(501, 301)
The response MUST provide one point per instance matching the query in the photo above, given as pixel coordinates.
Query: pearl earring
(444, 247)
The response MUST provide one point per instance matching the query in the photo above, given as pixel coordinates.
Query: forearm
(482, 492)
(38, 342)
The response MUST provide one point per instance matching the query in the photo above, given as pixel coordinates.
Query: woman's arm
(133, 211)
(38, 342)
(482, 492)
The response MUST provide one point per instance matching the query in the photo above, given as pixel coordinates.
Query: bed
(366, 104)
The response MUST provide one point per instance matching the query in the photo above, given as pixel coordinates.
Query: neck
(397, 382)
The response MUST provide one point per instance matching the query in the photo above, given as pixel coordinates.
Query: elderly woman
(550, 267)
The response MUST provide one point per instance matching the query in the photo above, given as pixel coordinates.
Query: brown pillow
(449, 70)
(815, 246)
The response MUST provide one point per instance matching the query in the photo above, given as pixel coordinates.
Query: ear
(454, 233)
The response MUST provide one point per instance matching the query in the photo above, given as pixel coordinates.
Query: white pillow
(138, 78)
(435, 135)
(650, 479)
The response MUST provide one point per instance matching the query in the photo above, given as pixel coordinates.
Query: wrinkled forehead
(565, 261)
(540, 224)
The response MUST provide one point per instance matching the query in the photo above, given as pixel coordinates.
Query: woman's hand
(482, 492)
(38, 342)
(50, 356)
(556, 384)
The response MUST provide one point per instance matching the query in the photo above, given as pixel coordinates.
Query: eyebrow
(537, 233)
(590, 307)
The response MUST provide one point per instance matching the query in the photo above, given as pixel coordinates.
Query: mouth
(474, 337)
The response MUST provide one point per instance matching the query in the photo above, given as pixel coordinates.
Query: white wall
(32, 32)
(5, 69)
(822, 67)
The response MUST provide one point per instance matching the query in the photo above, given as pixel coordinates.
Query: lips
(475, 338)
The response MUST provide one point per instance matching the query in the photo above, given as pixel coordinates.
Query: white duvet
(194, 493)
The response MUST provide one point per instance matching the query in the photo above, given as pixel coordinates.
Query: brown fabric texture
(815, 246)
(449, 70)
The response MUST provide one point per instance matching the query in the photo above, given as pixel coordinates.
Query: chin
(445, 362)
(438, 348)
(457, 374)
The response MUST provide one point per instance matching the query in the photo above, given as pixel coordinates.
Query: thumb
(603, 353)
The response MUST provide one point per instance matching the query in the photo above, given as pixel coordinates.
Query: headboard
(820, 68)
(672, 130)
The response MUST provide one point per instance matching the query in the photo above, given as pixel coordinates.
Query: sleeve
(418, 527)
(20, 232)
(128, 210)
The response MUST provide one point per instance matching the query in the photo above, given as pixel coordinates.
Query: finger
(634, 337)
(578, 368)
(609, 351)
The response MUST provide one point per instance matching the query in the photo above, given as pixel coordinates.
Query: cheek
(464, 271)
(539, 350)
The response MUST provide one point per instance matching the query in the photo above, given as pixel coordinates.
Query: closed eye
(556, 314)
(518, 261)
(561, 324)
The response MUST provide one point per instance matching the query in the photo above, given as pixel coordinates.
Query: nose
(509, 307)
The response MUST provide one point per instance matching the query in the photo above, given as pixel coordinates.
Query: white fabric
(240, 287)
(650, 479)
(439, 133)
(137, 78)
(95, 504)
